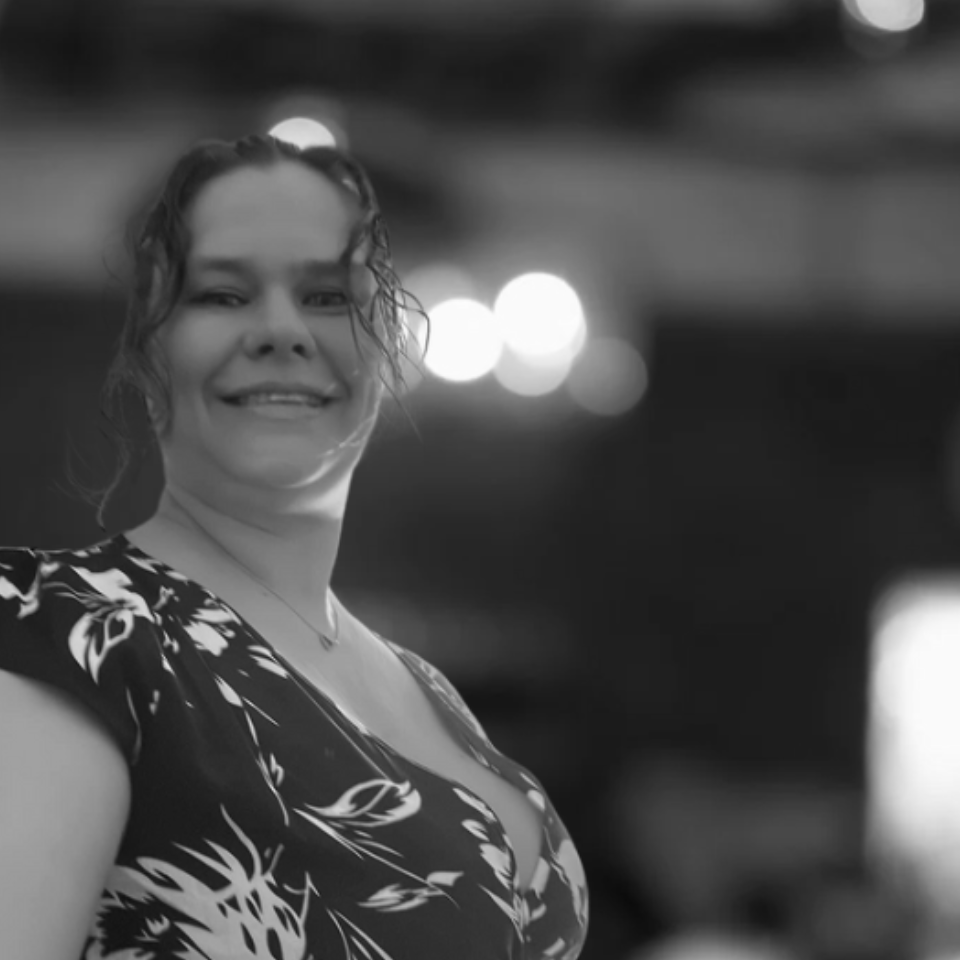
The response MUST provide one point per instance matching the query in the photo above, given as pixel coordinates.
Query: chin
(291, 475)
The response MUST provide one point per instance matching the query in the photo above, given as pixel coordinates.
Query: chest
(375, 690)
(368, 683)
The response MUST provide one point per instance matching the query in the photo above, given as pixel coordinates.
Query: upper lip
(276, 386)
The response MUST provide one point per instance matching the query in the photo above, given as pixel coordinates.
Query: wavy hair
(157, 244)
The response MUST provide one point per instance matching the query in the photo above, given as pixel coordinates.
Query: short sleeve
(73, 628)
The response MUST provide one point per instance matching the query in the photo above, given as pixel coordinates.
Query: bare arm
(64, 802)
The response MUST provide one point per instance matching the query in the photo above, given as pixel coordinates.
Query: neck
(293, 556)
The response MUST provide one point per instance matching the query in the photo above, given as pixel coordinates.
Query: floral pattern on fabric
(263, 823)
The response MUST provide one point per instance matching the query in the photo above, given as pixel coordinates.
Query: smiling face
(264, 301)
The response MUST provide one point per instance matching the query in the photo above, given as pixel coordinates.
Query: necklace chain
(328, 643)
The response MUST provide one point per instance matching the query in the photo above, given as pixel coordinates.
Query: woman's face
(264, 304)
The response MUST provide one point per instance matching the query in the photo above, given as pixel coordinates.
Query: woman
(205, 754)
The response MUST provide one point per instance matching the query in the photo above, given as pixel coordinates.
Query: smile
(282, 409)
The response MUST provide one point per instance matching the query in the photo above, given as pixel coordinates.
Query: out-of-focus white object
(465, 340)
(913, 751)
(536, 375)
(609, 378)
(533, 376)
(540, 314)
(304, 132)
(893, 16)
(719, 945)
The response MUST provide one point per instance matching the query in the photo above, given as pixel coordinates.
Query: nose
(280, 328)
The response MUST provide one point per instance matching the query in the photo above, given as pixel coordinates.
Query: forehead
(283, 211)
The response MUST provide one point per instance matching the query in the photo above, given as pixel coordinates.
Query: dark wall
(713, 555)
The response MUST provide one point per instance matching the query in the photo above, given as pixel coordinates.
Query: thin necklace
(328, 643)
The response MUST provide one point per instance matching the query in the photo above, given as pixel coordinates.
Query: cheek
(352, 349)
(188, 357)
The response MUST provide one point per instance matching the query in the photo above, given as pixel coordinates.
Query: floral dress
(264, 823)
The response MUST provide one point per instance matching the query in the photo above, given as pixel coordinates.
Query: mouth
(310, 403)
(305, 409)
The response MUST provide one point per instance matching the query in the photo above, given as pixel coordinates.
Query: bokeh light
(609, 378)
(533, 376)
(894, 16)
(304, 132)
(536, 376)
(465, 340)
(914, 758)
(919, 660)
(540, 314)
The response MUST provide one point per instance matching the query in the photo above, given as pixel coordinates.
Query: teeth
(289, 398)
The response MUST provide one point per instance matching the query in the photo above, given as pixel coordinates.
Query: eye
(219, 298)
(332, 299)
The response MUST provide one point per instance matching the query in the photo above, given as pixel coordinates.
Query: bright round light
(540, 314)
(917, 666)
(465, 340)
(895, 16)
(914, 715)
(304, 132)
(533, 376)
(609, 378)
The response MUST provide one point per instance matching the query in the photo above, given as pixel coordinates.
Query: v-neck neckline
(357, 726)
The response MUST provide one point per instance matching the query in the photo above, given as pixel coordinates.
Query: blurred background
(676, 506)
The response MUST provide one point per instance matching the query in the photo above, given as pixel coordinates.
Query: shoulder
(76, 620)
(92, 603)
(18, 567)
(31, 575)
(24, 571)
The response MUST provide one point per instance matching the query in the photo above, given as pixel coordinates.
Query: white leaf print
(265, 660)
(500, 861)
(29, 601)
(373, 803)
(93, 636)
(474, 802)
(568, 860)
(475, 828)
(349, 819)
(113, 584)
(244, 919)
(205, 636)
(272, 771)
(229, 694)
(554, 949)
(540, 877)
(369, 806)
(396, 898)
(513, 910)
(497, 857)
(111, 612)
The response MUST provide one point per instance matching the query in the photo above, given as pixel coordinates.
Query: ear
(153, 413)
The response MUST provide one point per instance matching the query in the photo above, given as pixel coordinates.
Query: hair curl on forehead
(157, 244)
